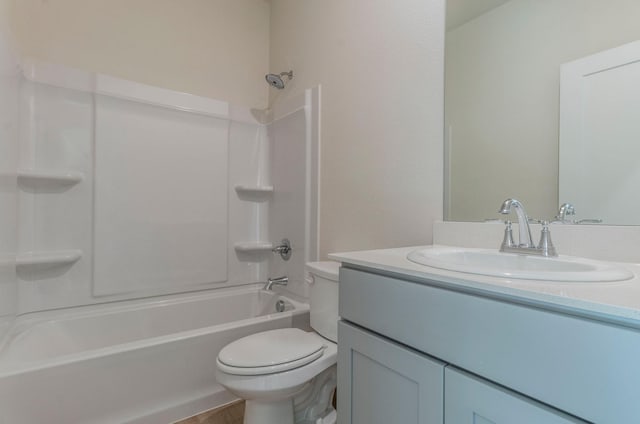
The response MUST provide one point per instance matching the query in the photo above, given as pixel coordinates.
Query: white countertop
(617, 302)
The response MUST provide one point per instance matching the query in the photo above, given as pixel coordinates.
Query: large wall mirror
(503, 115)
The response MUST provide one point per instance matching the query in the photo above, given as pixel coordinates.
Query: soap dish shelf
(254, 193)
(44, 179)
(53, 257)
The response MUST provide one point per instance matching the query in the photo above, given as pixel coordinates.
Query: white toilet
(288, 375)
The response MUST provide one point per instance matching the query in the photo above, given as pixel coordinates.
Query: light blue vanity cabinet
(390, 383)
(497, 360)
(386, 382)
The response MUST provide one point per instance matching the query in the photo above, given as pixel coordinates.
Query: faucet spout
(523, 221)
(280, 281)
(565, 210)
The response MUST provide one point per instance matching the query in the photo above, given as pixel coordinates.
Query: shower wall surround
(160, 216)
(131, 191)
(294, 159)
(9, 87)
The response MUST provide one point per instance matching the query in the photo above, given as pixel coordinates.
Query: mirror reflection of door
(600, 135)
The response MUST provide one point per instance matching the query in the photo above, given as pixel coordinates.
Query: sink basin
(523, 267)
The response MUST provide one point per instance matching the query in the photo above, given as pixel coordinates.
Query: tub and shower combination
(131, 362)
(144, 218)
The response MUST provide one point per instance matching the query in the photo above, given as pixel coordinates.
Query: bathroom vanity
(419, 344)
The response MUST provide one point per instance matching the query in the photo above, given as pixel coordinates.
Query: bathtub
(136, 362)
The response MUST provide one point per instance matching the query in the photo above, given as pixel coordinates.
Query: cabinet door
(471, 400)
(382, 382)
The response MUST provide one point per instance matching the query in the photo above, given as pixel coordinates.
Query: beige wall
(4, 12)
(502, 97)
(379, 62)
(214, 48)
(380, 66)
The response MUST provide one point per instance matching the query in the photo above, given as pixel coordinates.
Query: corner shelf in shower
(253, 247)
(256, 193)
(49, 257)
(48, 179)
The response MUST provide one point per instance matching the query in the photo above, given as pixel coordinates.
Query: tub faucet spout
(280, 281)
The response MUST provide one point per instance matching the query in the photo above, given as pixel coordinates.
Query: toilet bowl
(287, 376)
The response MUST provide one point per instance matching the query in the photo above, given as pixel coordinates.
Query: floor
(232, 413)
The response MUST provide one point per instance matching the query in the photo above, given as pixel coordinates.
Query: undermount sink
(523, 267)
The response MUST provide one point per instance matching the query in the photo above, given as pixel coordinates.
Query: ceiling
(462, 11)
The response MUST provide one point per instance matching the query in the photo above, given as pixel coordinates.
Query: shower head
(276, 80)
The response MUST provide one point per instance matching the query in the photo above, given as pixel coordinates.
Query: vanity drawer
(587, 368)
(469, 399)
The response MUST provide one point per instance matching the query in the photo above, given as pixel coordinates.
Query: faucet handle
(283, 249)
(589, 221)
(507, 241)
(545, 245)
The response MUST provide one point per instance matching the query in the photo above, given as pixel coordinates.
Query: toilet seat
(270, 352)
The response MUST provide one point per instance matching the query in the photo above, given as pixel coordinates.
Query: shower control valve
(284, 249)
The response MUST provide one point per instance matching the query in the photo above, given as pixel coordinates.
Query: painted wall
(380, 64)
(213, 48)
(502, 88)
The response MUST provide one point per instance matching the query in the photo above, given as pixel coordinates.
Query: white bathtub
(135, 362)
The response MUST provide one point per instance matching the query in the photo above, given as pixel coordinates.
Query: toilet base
(310, 406)
(313, 404)
(256, 412)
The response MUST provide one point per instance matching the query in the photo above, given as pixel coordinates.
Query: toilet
(288, 376)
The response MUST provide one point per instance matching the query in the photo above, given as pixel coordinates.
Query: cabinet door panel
(470, 400)
(382, 382)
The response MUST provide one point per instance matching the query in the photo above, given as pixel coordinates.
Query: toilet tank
(323, 298)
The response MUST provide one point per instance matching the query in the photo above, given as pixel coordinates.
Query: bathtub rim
(31, 319)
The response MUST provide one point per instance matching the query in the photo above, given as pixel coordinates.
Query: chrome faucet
(524, 231)
(280, 281)
(566, 209)
(525, 244)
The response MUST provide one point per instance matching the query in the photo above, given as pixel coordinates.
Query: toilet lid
(270, 352)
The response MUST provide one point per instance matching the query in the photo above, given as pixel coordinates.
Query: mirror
(502, 108)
